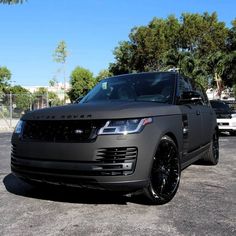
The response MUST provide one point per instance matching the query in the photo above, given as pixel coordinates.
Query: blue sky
(29, 33)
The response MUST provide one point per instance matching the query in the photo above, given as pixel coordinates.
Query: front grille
(224, 116)
(61, 131)
(117, 154)
(221, 124)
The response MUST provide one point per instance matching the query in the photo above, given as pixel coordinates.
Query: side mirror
(189, 97)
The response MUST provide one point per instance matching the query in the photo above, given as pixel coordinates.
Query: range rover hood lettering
(113, 110)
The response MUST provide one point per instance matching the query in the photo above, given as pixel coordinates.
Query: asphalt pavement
(204, 204)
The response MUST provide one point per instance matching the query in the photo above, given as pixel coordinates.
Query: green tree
(40, 98)
(191, 43)
(229, 74)
(53, 99)
(60, 55)
(202, 34)
(103, 74)
(123, 58)
(188, 65)
(21, 98)
(82, 81)
(41, 92)
(53, 82)
(12, 1)
(42, 95)
(147, 46)
(182, 60)
(216, 63)
(232, 36)
(234, 90)
(5, 76)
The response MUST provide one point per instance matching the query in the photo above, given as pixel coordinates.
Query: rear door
(191, 118)
(206, 114)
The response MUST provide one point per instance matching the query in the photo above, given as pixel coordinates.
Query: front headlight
(127, 126)
(19, 127)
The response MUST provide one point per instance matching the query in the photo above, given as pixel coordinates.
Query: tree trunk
(219, 84)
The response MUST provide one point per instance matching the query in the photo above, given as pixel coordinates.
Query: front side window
(183, 86)
(198, 88)
(146, 87)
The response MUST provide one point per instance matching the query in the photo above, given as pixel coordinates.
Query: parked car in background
(131, 133)
(226, 116)
(231, 103)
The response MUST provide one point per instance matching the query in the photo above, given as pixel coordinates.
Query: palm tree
(188, 64)
(217, 64)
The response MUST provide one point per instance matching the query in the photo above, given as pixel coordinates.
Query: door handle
(197, 113)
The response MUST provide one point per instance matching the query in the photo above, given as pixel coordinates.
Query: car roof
(146, 73)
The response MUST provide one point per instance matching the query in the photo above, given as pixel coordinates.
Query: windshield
(147, 87)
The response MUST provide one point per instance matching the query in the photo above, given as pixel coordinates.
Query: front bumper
(78, 174)
(227, 124)
(77, 164)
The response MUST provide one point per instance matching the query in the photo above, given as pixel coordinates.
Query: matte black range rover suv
(131, 132)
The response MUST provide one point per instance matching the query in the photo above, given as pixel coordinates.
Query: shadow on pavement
(66, 194)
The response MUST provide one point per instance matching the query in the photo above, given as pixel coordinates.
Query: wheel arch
(169, 134)
(161, 199)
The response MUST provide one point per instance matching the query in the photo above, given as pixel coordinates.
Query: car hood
(112, 110)
(222, 111)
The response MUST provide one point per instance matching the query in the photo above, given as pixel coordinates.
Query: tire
(165, 173)
(212, 155)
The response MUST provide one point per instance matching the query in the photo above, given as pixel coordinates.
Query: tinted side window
(183, 86)
(198, 88)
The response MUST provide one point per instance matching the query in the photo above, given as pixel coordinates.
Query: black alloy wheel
(165, 173)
